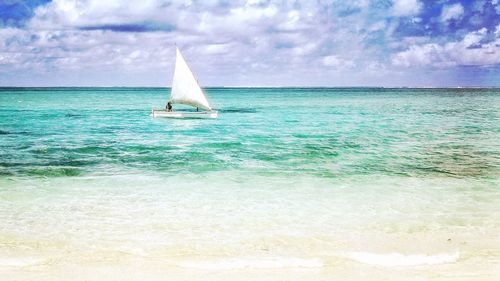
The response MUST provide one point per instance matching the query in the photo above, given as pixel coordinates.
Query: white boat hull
(161, 113)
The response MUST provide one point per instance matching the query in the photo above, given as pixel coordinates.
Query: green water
(321, 132)
(321, 175)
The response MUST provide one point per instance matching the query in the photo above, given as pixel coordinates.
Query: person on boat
(169, 107)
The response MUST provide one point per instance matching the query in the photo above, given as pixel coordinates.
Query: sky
(387, 43)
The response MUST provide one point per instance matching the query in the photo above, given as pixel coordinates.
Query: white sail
(185, 88)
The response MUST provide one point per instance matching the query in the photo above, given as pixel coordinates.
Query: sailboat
(187, 91)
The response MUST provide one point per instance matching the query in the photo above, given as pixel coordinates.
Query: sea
(287, 184)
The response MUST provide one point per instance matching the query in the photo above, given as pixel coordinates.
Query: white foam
(20, 262)
(397, 259)
(240, 263)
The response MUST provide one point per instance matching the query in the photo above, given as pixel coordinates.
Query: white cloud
(449, 12)
(225, 42)
(66, 13)
(236, 29)
(428, 54)
(404, 8)
(217, 38)
(337, 63)
(211, 49)
(469, 51)
(380, 25)
(74, 49)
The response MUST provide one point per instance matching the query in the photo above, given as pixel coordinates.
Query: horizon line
(270, 87)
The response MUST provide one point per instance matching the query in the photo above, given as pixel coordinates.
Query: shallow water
(328, 180)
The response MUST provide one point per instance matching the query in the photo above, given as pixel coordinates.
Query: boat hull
(161, 113)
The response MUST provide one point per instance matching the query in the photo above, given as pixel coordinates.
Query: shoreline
(144, 269)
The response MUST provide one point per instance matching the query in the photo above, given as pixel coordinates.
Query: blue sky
(251, 43)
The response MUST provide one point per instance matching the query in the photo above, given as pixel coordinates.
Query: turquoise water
(317, 178)
(319, 132)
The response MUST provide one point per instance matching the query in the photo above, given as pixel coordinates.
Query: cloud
(95, 35)
(243, 42)
(405, 8)
(470, 51)
(337, 63)
(75, 14)
(452, 12)
(132, 27)
(255, 25)
(99, 50)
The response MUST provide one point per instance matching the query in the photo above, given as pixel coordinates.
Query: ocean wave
(73, 115)
(397, 259)
(262, 263)
(238, 110)
(54, 172)
(4, 132)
